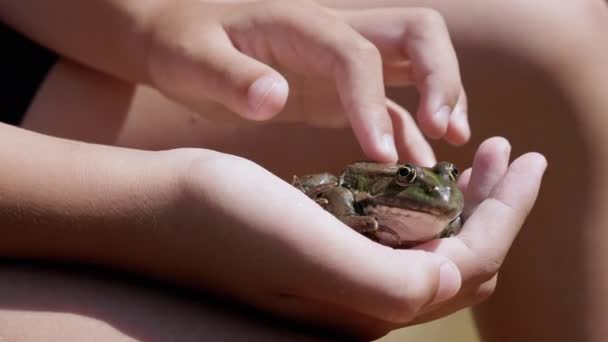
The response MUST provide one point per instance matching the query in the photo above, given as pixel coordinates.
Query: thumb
(217, 70)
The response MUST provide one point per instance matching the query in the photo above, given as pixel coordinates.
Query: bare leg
(50, 303)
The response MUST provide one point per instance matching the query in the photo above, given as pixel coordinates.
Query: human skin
(243, 54)
(486, 201)
(523, 82)
(548, 94)
(141, 212)
(146, 193)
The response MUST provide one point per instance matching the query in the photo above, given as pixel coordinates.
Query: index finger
(327, 45)
(420, 35)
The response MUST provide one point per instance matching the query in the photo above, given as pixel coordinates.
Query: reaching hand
(333, 63)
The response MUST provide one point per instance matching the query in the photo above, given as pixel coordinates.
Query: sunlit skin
(495, 25)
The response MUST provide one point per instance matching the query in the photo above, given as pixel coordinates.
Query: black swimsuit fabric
(23, 66)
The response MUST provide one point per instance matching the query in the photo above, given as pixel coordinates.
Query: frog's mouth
(409, 204)
(410, 225)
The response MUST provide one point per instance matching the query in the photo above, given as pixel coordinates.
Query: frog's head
(417, 202)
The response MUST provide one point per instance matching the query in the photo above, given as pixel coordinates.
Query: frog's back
(361, 176)
(309, 182)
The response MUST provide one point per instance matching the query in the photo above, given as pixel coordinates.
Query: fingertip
(266, 97)
(442, 115)
(410, 141)
(435, 123)
(540, 159)
(497, 140)
(388, 150)
(492, 149)
(459, 131)
(530, 162)
(450, 282)
(490, 164)
(425, 157)
(380, 147)
(463, 179)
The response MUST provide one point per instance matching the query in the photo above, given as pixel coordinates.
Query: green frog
(399, 205)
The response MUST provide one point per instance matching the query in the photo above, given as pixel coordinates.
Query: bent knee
(40, 304)
(46, 303)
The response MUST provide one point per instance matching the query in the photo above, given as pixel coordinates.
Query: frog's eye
(454, 172)
(406, 175)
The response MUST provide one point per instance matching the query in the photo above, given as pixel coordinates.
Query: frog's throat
(405, 203)
(410, 225)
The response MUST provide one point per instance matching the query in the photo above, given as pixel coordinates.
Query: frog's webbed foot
(318, 186)
(385, 229)
(320, 189)
(452, 229)
(323, 202)
(368, 226)
(361, 224)
(296, 183)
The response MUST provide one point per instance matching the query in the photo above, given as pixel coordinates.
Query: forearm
(73, 201)
(107, 35)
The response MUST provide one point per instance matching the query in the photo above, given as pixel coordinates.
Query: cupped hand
(498, 198)
(252, 236)
(333, 64)
(249, 235)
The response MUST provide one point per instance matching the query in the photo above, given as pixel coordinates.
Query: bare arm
(62, 199)
(237, 54)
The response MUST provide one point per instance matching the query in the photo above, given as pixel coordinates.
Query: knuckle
(402, 306)
(359, 51)
(429, 18)
(293, 10)
(485, 267)
(366, 49)
(407, 295)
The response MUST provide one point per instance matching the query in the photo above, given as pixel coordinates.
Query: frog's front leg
(452, 229)
(314, 185)
(341, 203)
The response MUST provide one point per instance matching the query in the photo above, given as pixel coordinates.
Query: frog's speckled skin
(396, 209)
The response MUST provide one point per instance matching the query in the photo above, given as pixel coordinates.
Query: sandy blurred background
(458, 327)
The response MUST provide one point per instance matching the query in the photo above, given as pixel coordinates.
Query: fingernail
(462, 124)
(449, 282)
(425, 154)
(429, 159)
(443, 114)
(266, 96)
(388, 147)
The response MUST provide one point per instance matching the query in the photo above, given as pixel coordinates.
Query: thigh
(61, 303)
